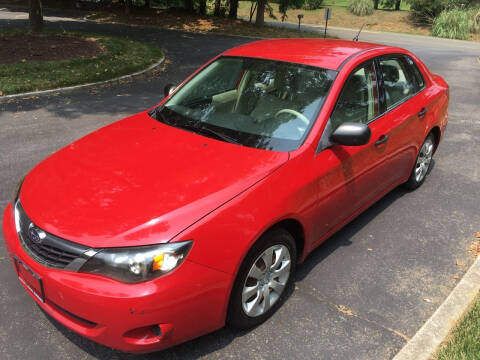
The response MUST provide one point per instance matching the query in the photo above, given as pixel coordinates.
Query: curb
(74, 87)
(426, 341)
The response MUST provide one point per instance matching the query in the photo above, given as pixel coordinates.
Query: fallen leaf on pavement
(475, 248)
(370, 249)
(477, 235)
(345, 310)
(459, 262)
(427, 300)
(456, 277)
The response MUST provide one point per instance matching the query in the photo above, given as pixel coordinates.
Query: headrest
(390, 73)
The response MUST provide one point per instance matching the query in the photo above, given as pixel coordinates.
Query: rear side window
(358, 101)
(397, 81)
(416, 72)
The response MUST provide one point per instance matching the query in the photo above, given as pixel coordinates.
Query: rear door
(402, 123)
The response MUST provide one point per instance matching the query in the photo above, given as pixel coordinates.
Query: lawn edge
(427, 340)
(74, 87)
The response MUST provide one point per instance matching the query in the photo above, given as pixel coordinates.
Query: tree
(375, 4)
(128, 7)
(147, 4)
(189, 5)
(35, 16)
(260, 19)
(232, 13)
(217, 10)
(202, 7)
(397, 5)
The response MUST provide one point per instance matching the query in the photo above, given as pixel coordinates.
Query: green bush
(361, 7)
(475, 20)
(312, 4)
(452, 24)
(425, 11)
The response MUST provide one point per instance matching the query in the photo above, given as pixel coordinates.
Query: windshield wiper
(201, 128)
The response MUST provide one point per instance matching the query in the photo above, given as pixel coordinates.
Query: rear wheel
(263, 279)
(422, 163)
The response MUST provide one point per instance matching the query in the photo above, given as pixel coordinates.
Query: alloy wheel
(266, 280)
(423, 160)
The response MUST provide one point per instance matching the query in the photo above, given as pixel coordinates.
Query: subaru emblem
(36, 235)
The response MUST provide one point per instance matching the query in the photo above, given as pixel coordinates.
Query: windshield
(253, 102)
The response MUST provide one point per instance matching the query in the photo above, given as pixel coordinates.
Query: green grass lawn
(380, 20)
(122, 56)
(464, 342)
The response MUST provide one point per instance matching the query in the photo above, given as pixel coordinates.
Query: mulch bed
(24, 48)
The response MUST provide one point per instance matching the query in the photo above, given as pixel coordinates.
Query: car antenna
(359, 31)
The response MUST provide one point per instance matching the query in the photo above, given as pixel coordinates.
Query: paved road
(358, 296)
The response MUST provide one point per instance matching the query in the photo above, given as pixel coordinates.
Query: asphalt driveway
(361, 295)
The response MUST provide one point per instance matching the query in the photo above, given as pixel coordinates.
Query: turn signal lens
(157, 262)
(166, 261)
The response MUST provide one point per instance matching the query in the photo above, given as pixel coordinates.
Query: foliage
(425, 11)
(312, 4)
(475, 20)
(361, 7)
(452, 24)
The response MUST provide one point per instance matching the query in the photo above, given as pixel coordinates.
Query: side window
(358, 101)
(416, 72)
(397, 81)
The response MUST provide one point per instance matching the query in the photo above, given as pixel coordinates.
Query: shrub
(312, 4)
(361, 7)
(475, 21)
(452, 24)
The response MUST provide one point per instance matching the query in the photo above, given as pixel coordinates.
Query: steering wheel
(294, 112)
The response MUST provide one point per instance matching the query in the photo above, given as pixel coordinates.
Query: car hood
(138, 182)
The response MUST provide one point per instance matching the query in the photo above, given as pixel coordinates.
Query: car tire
(422, 164)
(248, 306)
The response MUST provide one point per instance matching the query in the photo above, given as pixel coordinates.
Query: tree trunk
(253, 8)
(216, 10)
(147, 4)
(35, 16)
(188, 5)
(232, 14)
(397, 4)
(375, 4)
(202, 7)
(128, 7)
(260, 19)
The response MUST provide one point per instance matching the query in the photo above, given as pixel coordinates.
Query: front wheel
(263, 279)
(422, 164)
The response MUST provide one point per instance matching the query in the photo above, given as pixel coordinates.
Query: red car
(170, 223)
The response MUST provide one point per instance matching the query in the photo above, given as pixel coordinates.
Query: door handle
(422, 112)
(381, 140)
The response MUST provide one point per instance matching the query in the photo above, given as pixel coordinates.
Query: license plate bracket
(30, 279)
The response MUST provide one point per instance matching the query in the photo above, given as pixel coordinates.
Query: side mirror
(351, 134)
(168, 89)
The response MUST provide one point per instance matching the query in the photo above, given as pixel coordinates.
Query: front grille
(47, 249)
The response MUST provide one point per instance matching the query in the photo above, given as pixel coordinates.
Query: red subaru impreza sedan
(170, 223)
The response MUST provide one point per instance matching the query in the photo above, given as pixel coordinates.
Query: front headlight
(136, 264)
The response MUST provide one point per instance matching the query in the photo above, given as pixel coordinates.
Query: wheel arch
(437, 134)
(295, 228)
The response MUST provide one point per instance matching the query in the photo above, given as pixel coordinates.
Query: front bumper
(189, 302)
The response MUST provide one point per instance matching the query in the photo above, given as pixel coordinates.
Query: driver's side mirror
(351, 134)
(168, 89)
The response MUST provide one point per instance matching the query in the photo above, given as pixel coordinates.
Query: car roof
(325, 53)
